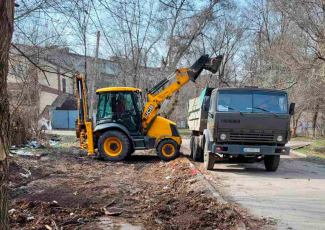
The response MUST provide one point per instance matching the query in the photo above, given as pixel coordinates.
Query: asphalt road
(294, 195)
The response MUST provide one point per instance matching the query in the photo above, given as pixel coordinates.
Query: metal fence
(64, 119)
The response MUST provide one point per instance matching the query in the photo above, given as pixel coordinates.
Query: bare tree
(6, 31)
(183, 28)
(135, 35)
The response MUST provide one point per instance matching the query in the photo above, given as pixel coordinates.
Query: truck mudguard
(208, 139)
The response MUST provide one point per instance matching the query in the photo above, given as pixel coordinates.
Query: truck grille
(251, 137)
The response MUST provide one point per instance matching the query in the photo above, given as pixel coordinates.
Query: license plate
(251, 150)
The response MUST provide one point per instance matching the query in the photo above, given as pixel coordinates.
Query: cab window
(124, 103)
(105, 110)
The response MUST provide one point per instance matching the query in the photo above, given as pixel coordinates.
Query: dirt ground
(66, 189)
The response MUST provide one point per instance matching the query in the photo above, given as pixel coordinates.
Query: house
(36, 87)
(41, 79)
(49, 87)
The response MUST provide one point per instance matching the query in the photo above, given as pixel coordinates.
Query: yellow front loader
(124, 125)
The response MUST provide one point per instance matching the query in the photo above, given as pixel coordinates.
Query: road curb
(298, 154)
(213, 191)
(208, 185)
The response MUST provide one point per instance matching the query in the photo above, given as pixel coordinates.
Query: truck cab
(245, 123)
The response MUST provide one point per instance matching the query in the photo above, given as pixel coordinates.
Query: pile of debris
(49, 215)
(27, 149)
(68, 189)
(182, 202)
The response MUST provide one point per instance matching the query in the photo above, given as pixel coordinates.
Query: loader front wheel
(114, 146)
(168, 149)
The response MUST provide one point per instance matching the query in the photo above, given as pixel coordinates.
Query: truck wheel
(271, 162)
(209, 158)
(168, 149)
(197, 150)
(192, 146)
(114, 146)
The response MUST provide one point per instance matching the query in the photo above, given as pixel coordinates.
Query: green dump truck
(248, 124)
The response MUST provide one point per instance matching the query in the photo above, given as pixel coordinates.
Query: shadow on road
(290, 168)
(134, 159)
(137, 159)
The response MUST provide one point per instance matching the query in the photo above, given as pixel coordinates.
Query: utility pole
(97, 46)
(95, 77)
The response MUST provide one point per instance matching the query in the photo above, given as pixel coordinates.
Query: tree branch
(37, 66)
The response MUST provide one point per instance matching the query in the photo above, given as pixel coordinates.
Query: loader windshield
(252, 102)
(105, 110)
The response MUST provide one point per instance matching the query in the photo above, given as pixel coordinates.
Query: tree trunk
(168, 111)
(315, 120)
(6, 30)
(295, 120)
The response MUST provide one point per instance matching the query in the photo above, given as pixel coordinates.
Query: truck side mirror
(292, 108)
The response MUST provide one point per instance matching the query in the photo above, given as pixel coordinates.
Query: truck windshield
(252, 102)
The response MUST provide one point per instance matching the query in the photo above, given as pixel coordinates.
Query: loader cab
(121, 105)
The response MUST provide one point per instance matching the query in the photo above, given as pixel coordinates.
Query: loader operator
(120, 108)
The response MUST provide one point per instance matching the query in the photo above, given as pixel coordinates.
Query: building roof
(114, 89)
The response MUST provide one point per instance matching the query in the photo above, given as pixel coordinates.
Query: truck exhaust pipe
(204, 62)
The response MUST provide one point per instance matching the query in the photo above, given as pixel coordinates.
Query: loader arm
(183, 75)
(84, 125)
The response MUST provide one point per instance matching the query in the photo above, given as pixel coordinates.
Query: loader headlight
(223, 136)
(279, 138)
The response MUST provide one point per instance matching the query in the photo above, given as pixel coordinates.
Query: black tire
(121, 139)
(271, 162)
(209, 158)
(197, 150)
(131, 152)
(165, 146)
(192, 146)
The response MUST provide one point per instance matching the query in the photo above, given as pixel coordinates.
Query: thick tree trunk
(6, 30)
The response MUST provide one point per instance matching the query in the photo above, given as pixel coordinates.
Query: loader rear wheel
(197, 150)
(271, 162)
(168, 149)
(209, 158)
(192, 146)
(114, 146)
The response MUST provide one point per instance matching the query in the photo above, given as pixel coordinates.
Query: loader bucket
(204, 62)
(213, 64)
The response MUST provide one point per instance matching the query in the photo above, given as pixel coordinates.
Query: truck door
(212, 113)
